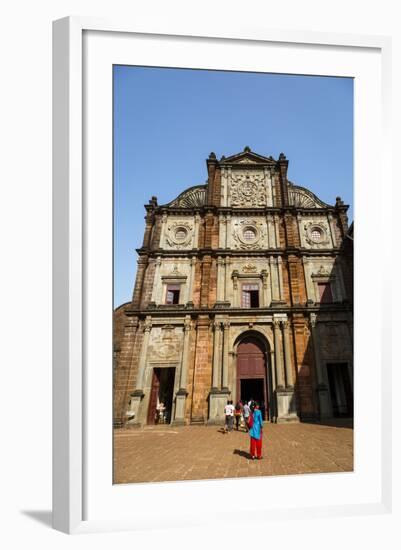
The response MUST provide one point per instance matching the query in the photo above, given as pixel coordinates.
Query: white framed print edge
(73, 495)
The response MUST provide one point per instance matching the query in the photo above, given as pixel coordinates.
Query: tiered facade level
(243, 290)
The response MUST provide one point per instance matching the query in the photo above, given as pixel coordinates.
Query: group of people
(246, 414)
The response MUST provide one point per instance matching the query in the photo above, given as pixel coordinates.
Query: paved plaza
(167, 453)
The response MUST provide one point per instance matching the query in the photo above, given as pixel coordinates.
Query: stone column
(280, 278)
(220, 279)
(310, 291)
(140, 275)
(278, 354)
(218, 396)
(191, 280)
(227, 289)
(287, 355)
(274, 280)
(163, 231)
(228, 231)
(265, 285)
(273, 397)
(276, 231)
(222, 231)
(226, 327)
(332, 230)
(285, 397)
(322, 388)
(156, 282)
(269, 241)
(137, 394)
(179, 417)
(216, 355)
(196, 231)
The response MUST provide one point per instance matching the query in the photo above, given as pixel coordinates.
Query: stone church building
(243, 290)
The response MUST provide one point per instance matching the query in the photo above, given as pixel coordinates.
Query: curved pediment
(300, 197)
(190, 198)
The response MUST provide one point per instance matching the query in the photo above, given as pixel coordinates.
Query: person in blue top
(255, 432)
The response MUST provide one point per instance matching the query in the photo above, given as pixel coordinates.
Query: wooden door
(251, 365)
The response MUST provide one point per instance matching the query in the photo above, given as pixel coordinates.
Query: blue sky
(167, 121)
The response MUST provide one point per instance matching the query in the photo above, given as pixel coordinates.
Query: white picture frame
(78, 41)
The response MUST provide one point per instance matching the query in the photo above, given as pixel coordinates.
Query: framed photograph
(210, 299)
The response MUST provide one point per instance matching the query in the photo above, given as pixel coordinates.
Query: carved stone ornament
(323, 271)
(249, 234)
(249, 268)
(248, 188)
(179, 234)
(166, 345)
(303, 198)
(194, 197)
(316, 234)
(246, 161)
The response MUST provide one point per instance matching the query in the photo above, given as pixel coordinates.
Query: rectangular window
(325, 295)
(173, 294)
(250, 295)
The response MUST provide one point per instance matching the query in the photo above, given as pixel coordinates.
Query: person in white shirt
(229, 412)
(246, 412)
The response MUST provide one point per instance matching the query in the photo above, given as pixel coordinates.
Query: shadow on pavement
(333, 422)
(242, 453)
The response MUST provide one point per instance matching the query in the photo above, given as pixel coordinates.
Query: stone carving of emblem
(248, 188)
(323, 271)
(249, 234)
(166, 345)
(249, 268)
(179, 234)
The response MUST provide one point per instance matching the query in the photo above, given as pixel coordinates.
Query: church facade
(243, 290)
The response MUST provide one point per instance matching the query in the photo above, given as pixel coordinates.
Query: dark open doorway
(162, 392)
(254, 388)
(340, 389)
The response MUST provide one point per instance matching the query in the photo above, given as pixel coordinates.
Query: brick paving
(164, 453)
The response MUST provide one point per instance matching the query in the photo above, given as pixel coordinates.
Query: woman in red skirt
(255, 432)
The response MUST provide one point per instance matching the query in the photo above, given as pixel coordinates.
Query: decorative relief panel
(179, 234)
(316, 234)
(248, 188)
(303, 198)
(165, 344)
(249, 233)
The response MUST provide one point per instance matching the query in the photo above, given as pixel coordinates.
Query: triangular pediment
(247, 157)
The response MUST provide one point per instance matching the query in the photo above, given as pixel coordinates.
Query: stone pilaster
(191, 279)
(280, 278)
(220, 279)
(278, 354)
(181, 395)
(322, 387)
(196, 231)
(157, 282)
(226, 328)
(276, 231)
(140, 275)
(137, 395)
(287, 355)
(216, 355)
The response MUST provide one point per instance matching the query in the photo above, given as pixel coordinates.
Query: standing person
(256, 432)
(237, 414)
(229, 412)
(246, 411)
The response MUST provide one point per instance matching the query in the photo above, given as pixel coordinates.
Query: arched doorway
(252, 373)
